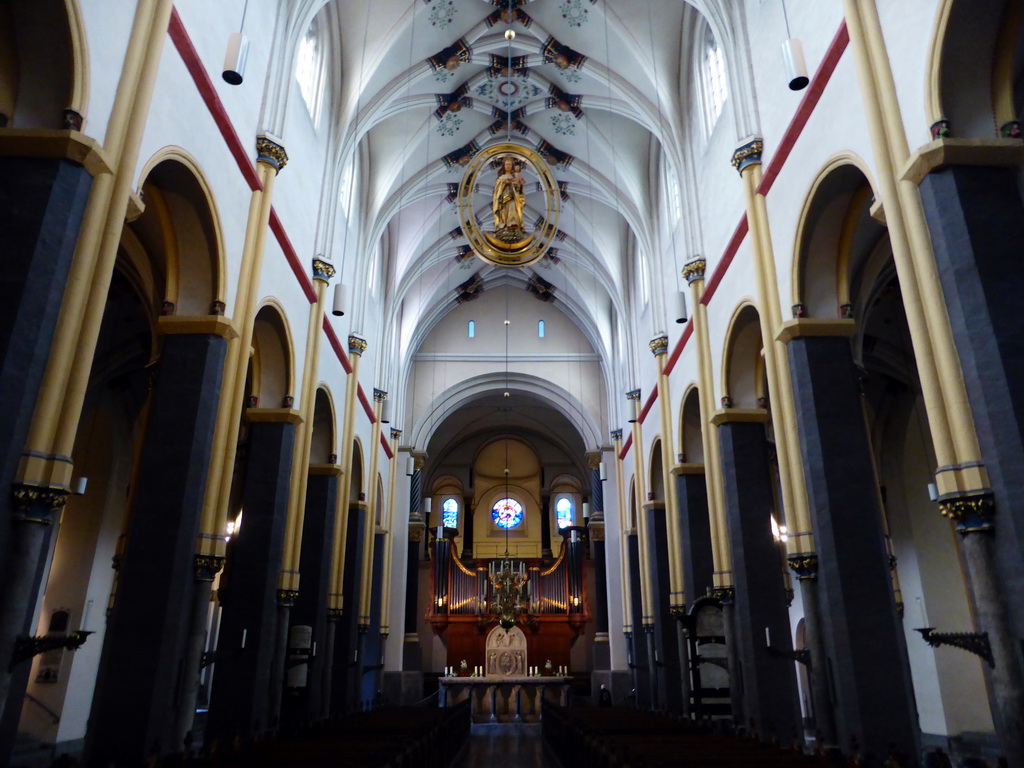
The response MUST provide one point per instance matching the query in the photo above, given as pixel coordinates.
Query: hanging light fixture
(679, 307)
(237, 53)
(793, 58)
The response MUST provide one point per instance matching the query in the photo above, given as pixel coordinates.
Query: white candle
(767, 637)
(244, 633)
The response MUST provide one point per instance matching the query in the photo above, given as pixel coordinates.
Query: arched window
(540, 329)
(564, 512)
(471, 329)
(311, 70)
(450, 513)
(507, 513)
(713, 89)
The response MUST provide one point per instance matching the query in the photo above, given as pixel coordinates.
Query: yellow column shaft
(646, 607)
(721, 553)
(344, 487)
(303, 442)
(627, 597)
(787, 445)
(920, 335)
(869, 43)
(371, 520)
(62, 393)
(218, 486)
(677, 595)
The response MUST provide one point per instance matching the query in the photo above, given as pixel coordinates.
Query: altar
(504, 698)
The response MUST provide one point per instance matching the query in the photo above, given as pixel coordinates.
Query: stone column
(695, 530)
(239, 705)
(303, 701)
(640, 661)
(41, 207)
(138, 687)
(545, 527)
(770, 700)
(412, 653)
(666, 645)
(862, 632)
(344, 686)
(973, 213)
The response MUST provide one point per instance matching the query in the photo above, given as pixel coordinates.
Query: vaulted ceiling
(592, 85)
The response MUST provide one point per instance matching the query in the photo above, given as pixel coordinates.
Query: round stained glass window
(507, 513)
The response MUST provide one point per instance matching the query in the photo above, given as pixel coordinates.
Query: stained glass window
(450, 513)
(563, 512)
(507, 513)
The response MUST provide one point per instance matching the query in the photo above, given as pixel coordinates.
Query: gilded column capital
(804, 565)
(694, 269)
(38, 504)
(395, 434)
(356, 345)
(972, 513)
(747, 154)
(633, 394)
(726, 594)
(271, 152)
(594, 459)
(207, 566)
(659, 344)
(419, 460)
(379, 395)
(616, 435)
(323, 270)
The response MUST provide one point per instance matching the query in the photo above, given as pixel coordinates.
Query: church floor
(501, 745)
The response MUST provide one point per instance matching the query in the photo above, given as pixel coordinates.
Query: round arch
(742, 363)
(453, 398)
(323, 444)
(835, 221)
(181, 199)
(273, 359)
(691, 427)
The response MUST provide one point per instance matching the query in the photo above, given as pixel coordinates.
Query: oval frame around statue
(528, 250)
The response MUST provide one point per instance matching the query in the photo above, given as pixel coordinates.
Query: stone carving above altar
(506, 652)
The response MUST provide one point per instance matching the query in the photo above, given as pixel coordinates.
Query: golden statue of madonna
(508, 201)
(508, 243)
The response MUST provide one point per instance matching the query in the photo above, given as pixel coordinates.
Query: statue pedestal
(504, 698)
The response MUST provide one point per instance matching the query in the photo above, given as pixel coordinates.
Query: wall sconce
(410, 466)
(679, 307)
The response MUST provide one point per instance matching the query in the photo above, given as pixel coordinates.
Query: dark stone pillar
(140, 678)
(863, 636)
(602, 650)
(372, 659)
(545, 527)
(248, 588)
(467, 529)
(770, 700)
(303, 703)
(412, 654)
(41, 207)
(975, 217)
(346, 667)
(666, 644)
(640, 659)
(695, 534)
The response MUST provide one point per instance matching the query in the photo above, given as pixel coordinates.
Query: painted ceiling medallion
(442, 13)
(507, 92)
(573, 12)
(495, 187)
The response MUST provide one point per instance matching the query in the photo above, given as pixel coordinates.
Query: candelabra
(511, 590)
